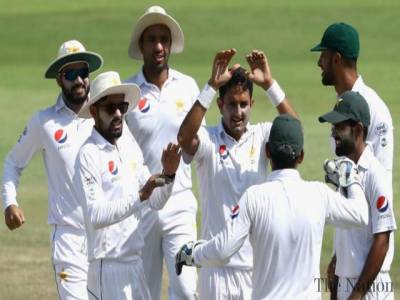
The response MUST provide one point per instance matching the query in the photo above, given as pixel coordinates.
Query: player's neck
(75, 107)
(345, 80)
(155, 76)
(355, 156)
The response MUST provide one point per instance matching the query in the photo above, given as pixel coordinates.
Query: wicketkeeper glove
(348, 173)
(331, 172)
(184, 257)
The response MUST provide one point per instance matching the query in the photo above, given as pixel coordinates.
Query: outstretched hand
(260, 72)
(220, 71)
(170, 159)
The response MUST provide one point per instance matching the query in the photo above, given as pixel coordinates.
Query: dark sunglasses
(111, 108)
(72, 74)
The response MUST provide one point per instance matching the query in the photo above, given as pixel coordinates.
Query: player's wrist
(275, 93)
(169, 175)
(206, 95)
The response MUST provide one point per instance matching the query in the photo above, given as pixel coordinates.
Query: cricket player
(58, 133)
(228, 159)
(339, 49)
(167, 96)
(364, 255)
(284, 218)
(115, 187)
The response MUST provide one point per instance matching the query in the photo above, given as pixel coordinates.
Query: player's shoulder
(376, 104)
(183, 78)
(135, 78)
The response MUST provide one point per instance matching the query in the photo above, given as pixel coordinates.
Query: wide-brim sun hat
(109, 83)
(71, 52)
(156, 15)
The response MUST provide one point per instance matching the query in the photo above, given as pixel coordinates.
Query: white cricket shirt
(380, 131)
(353, 245)
(58, 133)
(156, 120)
(285, 219)
(225, 169)
(110, 178)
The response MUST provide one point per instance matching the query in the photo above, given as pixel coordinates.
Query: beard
(346, 147)
(108, 131)
(72, 98)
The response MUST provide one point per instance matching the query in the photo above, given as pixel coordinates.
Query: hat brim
(333, 117)
(93, 60)
(130, 90)
(318, 48)
(155, 18)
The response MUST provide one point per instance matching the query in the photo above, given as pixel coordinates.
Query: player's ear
(93, 111)
(301, 157)
(58, 79)
(220, 103)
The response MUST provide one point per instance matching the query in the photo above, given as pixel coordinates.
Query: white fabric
(381, 289)
(206, 96)
(353, 245)
(224, 283)
(285, 219)
(114, 280)
(275, 94)
(380, 131)
(58, 133)
(110, 178)
(69, 258)
(154, 123)
(226, 168)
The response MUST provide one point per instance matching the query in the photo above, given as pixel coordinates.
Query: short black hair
(239, 78)
(284, 157)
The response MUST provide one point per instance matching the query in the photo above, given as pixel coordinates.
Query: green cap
(342, 38)
(286, 134)
(350, 106)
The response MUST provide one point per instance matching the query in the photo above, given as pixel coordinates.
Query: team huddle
(118, 162)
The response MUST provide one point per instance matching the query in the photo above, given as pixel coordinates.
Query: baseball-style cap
(156, 15)
(286, 133)
(340, 37)
(109, 83)
(70, 52)
(350, 106)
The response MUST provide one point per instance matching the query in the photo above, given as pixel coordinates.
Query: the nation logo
(60, 136)
(382, 204)
(144, 105)
(112, 167)
(223, 151)
(234, 211)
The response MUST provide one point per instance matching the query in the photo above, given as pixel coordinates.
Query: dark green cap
(342, 38)
(286, 134)
(350, 106)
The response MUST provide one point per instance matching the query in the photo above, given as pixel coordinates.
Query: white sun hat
(156, 15)
(70, 52)
(109, 83)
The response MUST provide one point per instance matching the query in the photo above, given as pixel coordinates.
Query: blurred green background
(32, 31)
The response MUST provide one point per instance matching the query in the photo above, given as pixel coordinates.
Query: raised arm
(187, 135)
(261, 75)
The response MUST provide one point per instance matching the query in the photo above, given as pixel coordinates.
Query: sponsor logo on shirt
(223, 151)
(382, 204)
(112, 167)
(60, 136)
(235, 211)
(144, 105)
(381, 129)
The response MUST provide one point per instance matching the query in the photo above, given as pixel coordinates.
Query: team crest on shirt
(112, 167)
(223, 152)
(144, 105)
(382, 204)
(381, 129)
(180, 105)
(60, 136)
(234, 211)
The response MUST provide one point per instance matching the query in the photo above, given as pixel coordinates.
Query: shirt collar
(100, 141)
(358, 85)
(141, 79)
(222, 133)
(60, 104)
(283, 174)
(365, 157)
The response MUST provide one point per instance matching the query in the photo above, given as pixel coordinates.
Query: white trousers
(165, 231)
(225, 283)
(113, 280)
(381, 289)
(69, 257)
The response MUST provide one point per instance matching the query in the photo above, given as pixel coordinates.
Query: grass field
(31, 32)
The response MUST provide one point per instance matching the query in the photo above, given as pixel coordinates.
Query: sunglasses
(72, 74)
(111, 108)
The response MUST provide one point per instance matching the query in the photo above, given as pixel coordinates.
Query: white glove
(184, 257)
(348, 173)
(331, 172)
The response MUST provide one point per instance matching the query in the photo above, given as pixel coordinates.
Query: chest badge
(223, 152)
(234, 211)
(60, 136)
(144, 105)
(180, 105)
(112, 167)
